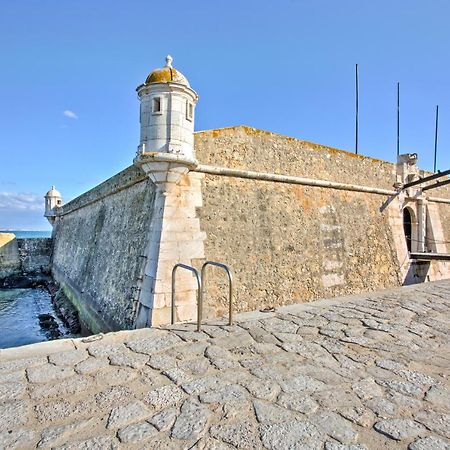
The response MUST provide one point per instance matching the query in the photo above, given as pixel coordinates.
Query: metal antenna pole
(436, 137)
(357, 111)
(398, 119)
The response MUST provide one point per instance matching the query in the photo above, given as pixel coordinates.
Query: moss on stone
(86, 316)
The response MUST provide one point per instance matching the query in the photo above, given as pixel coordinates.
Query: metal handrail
(203, 290)
(199, 292)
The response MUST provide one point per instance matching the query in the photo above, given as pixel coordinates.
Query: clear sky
(69, 69)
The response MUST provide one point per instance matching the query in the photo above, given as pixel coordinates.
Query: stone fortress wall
(23, 255)
(9, 255)
(444, 214)
(115, 246)
(291, 243)
(99, 249)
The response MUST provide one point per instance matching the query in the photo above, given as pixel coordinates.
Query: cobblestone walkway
(367, 372)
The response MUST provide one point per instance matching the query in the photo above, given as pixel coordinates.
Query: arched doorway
(407, 227)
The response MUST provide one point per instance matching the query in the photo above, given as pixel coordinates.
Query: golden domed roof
(53, 193)
(167, 74)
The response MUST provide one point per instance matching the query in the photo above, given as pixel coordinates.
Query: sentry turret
(167, 112)
(53, 200)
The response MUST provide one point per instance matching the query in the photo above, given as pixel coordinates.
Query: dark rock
(24, 281)
(64, 309)
(50, 327)
(47, 321)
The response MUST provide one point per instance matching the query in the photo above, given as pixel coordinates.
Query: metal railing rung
(230, 287)
(201, 289)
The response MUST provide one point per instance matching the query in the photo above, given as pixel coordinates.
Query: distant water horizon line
(10, 230)
(28, 233)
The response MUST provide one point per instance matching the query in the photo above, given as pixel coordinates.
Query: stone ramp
(361, 372)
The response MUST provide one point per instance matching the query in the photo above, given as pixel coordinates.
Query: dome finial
(169, 60)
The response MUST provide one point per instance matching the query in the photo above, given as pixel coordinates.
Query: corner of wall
(174, 236)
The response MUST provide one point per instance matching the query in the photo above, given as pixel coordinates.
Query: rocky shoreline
(25, 281)
(66, 312)
(25, 263)
(62, 306)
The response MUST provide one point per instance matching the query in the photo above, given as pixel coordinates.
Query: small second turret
(53, 200)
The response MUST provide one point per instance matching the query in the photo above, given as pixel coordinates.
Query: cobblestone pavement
(366, 372)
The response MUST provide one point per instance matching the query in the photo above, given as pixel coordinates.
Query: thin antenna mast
(398, 119)
(436, 137)
(357, 110)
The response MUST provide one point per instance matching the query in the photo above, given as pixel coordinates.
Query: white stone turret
(53, 200)
(167, 115)
(166, 154)
(167, 112)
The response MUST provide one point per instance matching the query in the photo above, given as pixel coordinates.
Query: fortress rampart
(286, 242)
(99, 249)
(292, 243)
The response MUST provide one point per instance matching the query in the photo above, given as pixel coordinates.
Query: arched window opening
(407, 227)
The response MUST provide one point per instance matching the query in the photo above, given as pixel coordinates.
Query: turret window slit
(189, 111)
(156, 108)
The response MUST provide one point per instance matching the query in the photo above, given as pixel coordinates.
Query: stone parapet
(123, 180)
(24, 256)
(9, 255)
(99, 249)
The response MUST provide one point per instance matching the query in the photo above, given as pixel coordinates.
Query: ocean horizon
(29, 233)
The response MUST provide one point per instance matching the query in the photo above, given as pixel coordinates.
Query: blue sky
(69, 69)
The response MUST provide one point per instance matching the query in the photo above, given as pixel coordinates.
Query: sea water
(29, 234)
(19, 317)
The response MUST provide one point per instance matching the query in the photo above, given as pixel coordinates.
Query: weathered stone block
(165, 396)
(14, 414)
(137, 433)
(68, 358)
(124, 415)
(60, 434)
(164, 420)
(19, 438)
(291, 434)
(192, 421)
(240, 434)
(400, 429)
(48, 373)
